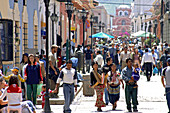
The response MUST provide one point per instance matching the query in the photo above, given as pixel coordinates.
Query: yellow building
(18, 30)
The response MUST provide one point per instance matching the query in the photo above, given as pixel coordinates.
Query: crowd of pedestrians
(111, 66)
(123, 64)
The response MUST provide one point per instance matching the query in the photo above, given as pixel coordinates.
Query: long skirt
(99, 91)
(114, 93)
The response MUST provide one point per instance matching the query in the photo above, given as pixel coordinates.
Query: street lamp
(161, 20)
(103, 25)
(47, 108)
(54, 18)
(141, 23)
(69, 9)
(84, 17)
(145, 25)
(135, 25)
(156, 23)
(91, 22)
(150, 26)
(100, 26)
(1, 28)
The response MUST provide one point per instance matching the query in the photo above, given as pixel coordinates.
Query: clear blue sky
(111, 7)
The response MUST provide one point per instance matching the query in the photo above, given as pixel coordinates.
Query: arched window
(126, 13)
(123, 22)
(123, 30)
(120, 13)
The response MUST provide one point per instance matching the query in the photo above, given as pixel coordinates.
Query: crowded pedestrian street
(84, 56)
(150, 95)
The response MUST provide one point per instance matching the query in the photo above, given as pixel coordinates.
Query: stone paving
(150, 95)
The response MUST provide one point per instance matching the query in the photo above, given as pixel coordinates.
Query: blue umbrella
(101, 35)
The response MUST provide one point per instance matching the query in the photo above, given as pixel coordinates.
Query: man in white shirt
(69, 77)
(123, 56)
(99, 59)
(166, 77)
(148, 61)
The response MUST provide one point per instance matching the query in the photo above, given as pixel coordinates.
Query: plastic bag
(155, 70)
(39, 89)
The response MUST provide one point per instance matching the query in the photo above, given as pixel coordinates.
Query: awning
(137, 33)
(78, 4)
(101, 35)
(91, 4)
(146, 35)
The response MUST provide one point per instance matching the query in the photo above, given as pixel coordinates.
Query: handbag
(155, 70)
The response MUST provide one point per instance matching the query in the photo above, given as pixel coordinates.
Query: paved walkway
(150, 95)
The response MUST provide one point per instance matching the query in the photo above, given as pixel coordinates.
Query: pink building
(121, 22)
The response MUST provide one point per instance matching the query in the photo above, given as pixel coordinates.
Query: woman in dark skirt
(113, 86)
(96, 83)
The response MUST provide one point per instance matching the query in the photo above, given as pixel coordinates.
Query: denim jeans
(148, 68)
(68, 91)
(160, 71)
(104, 58)
(167, 90)
(131, 93)
(88, 64)
(106, 95)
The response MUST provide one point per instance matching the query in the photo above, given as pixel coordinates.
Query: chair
(14, 108)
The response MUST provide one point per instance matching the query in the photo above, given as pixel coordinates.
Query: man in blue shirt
(130, 90)
(89, 57)
(140, 51)
(74, 62)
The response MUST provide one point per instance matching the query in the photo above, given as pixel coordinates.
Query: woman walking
(136, 57)
(23, 64)
(34, 77)
(113, 86)
(96, 83)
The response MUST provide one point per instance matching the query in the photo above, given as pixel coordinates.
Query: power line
(120, 3)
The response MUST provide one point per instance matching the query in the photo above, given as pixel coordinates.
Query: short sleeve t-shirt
(163, 59)
(166, 73)
(52, 59)
(106, 68)
(88, 54)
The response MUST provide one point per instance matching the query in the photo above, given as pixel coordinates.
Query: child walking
(15, 71)
(43, 92)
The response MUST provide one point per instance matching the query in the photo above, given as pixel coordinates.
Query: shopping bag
(39, 89)
(155, 70)
(103, 78)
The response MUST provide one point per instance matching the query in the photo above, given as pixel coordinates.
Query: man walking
(69, 77)
(123, 56)
(106, 68)
(164, 58)
(148, 60)
(130, 90)
(53, 70)
(112, 52)
(99, 59)
(104, 52)
(89, 57)
(166, 77)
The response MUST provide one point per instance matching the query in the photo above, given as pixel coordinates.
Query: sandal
(99, 109)
(114, 106)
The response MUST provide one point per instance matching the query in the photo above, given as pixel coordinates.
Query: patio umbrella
(101, 35)
(137, 33)
(147, 35)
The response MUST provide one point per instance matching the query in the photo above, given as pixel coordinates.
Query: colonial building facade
(121, 22)
(18, 29)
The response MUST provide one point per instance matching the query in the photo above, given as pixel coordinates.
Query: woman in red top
(34, 77)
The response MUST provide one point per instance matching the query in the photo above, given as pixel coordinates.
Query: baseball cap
(168, 60)
(54, 46)
(15, 69)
